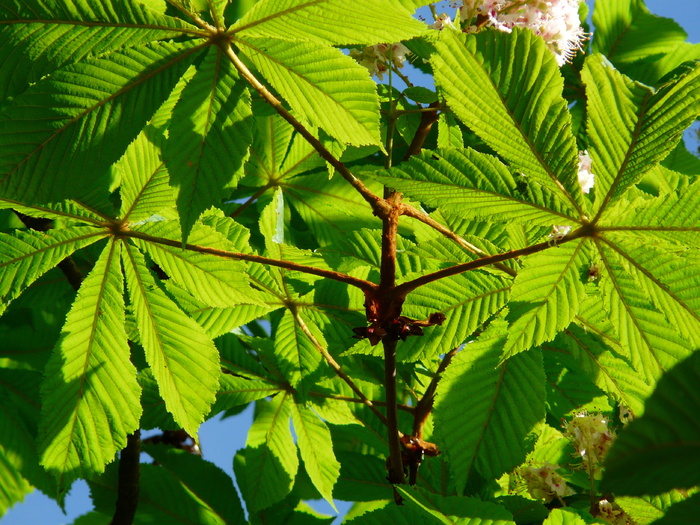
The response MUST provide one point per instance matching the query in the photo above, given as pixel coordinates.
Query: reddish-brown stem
(425, 404)
(389, 309)
(377, 203)
(426, 124)
(404, 289)
(329, 274)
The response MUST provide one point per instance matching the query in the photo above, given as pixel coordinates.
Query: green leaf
(326, 87)
(327, 21)
(646, 509)
(235, 391)
(15, 450)
(564, 517)
(450, 510)
(50, 35)
(521, 115)
(183, 359)
(493, 432)
(683, 512)
(144, 179)
(654, 343)
(209, 278)
(660, 451)
(467, 300)
(316, 448)
(27, 255)
(61, 135)
(90, 394)
(631, 126)
(640, 44)
(271, 460)
(587, 353)
(209, 136)
(295, 353)
(546, 295)
(469, 184)
(210, 486)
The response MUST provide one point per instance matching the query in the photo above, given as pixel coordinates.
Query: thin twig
(329, 274)
(410, 211)
(425, 404)
(378, 205)
(250, 201)
(336, 367)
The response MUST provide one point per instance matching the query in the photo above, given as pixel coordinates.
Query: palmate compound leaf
(326, 87)
(271, 460)
(90, 393)
(49, 35)
(470, 184)
(59, 138)
(331, 22)
(521, 114)
(316, 449)
(487, 415)
(546, 295)
(209, 137)
(183, 358)
(27, 255)
(631, 127)
(661, 450)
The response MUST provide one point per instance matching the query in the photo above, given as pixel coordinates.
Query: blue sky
(220, 439)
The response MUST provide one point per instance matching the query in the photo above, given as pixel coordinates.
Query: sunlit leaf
(90, 394)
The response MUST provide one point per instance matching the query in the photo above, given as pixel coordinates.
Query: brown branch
(426, 124)
(378, 205)
(328, 274)
(129, 477)
(336, 366)
(404, 289)
(425, 404)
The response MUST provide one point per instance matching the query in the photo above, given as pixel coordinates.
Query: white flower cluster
(591, 437)
(556, 21)
(378, 59)
(544, 482)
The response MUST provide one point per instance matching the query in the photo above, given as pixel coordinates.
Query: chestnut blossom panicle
(591, 437)
(379, 58)
(611, 513)
(556, 21)
(544, 482)
(586, 179)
